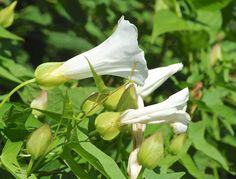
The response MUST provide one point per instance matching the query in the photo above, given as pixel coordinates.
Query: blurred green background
(199, 33)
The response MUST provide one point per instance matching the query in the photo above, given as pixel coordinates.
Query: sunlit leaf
(196, 134)
(8, 159)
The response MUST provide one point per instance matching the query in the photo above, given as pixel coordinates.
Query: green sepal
(48, 76)
(98, 79)
(7, 15)
(108, 125)
(39, 141)
(151, 151)
(128, 99)
(114, 98)
(93, 104)
(177, 143)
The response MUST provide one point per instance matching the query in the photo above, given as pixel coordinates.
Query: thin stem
(59, 125)
(28, 170)
(16, 89)
(215, 172)
(37, 163)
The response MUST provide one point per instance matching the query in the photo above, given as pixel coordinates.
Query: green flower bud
(48, 75)
(129, 99)
(177, 143)
(7, 15)
(39, 141)
(108, 125)
(114, 98)
(151, 151)
(93, 104)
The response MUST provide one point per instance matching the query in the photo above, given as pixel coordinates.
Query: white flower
(171, 110)
(156, 77)
(115, 56)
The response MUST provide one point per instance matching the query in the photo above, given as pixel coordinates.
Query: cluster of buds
(121, 56)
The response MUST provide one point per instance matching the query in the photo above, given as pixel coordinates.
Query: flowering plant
(152, 101)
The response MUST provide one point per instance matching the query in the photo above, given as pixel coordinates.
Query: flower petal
(115, 56)
(179, 127)
(160, 112)
(156, 77)
(133, 168)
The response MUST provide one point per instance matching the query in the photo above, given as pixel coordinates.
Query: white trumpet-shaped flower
(117, 56)
(156, 77)
(171, 110)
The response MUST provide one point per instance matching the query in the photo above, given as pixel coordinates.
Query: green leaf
(67, 41)
(209, 4)
(101, 161)
(19, 71)
(196, 134)
(33, 14)
(167, 21)
(5, 74)
(5, 108)
(75, 167)
(9, 161)
(8, 35)
(213, 20)
(148, 174)
(169, 160)
(188, 163)
(87, 156)
(202, 161)
(230, 140)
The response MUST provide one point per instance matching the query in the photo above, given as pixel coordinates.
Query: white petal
(132, 117)
(158, 112)
(140, 102)
(40, 102)
(179, 127)
(179, 116)
(179, 99)
(115, 56)
(133, 167)
(156, 77)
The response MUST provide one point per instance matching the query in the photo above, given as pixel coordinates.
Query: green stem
(16, 89)
(28, 170)
(58, 127)
(37, 163)
(216, 173)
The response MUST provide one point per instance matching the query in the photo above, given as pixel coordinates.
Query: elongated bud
(177, 143)
(7, 15)
(151, 151)
(129, 99)
(108, 125)
(48, 75)
(114, 98)
(40, 102)
(39, 141)
(93, 104)
(215, 54)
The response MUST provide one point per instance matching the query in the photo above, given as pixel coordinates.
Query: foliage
(198, 33)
